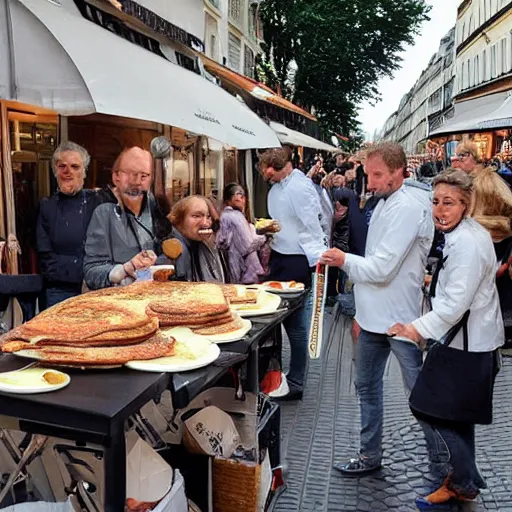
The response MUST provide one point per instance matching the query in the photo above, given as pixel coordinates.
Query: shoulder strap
(462, 323)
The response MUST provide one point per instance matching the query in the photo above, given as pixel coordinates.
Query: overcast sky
(415, 60)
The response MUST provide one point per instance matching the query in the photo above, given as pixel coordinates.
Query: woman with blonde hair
(467, 157)
(491, 206)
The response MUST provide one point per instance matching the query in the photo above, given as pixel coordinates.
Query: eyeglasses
(136, 174)
(241, 194)
(462, 155)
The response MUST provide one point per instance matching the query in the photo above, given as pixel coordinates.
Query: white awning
(295, 138)
(63, 62)
(485, 113)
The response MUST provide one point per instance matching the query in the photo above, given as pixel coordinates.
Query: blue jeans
(297, 328)
(459, 441)
(372, 353)
(54, 294)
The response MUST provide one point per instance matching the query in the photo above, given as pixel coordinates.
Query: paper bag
(211, 431)
(148, 477)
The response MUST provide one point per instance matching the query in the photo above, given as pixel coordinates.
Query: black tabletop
(93, 399)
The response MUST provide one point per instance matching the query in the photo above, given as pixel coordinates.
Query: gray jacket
(114, 237)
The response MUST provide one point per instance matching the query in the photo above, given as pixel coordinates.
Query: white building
(427, 103)
(483, 85)
(233, 33)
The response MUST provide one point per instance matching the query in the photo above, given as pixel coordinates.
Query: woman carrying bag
(454, 389)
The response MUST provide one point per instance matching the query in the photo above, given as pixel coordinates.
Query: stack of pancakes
(240, 294)
(90, 331)
(201, 307)
(120, 324)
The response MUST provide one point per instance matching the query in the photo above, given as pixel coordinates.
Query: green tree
(340, 49)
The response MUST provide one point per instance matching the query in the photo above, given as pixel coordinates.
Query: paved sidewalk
(324, 427)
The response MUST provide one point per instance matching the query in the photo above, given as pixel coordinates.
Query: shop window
(504, 56)
(178, 175)
(210, 171)
(186, 62)
(235, 11)
(249, 62)
(253, 21)
(32, 146)
(234, 52)
(494, 61)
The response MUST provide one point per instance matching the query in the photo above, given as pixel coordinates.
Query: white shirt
(389, 278)
(295, 203)
(466, 281)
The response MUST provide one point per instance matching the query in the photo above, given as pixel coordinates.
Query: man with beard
(388, 281)
(125, 236)
(62, 225)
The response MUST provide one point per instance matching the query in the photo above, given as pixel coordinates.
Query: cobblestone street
(324, 427)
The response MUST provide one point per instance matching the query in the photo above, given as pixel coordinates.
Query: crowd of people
(415, 265)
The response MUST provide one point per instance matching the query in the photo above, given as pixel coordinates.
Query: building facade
(428, 103)
(233, 34)
(483, 84)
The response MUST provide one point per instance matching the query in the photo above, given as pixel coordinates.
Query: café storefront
(51, 90)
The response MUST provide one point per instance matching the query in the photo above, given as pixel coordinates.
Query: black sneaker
(357, 467)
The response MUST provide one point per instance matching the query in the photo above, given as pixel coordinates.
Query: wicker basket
(236, 486)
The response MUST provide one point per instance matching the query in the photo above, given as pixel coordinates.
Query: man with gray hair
(62, 225)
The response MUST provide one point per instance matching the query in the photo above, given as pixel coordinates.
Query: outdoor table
(96, 404)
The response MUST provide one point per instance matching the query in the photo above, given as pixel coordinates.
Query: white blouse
(466, 281)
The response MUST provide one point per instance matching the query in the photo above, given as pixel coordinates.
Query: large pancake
(233, 325)
(84, 318)
(157, 346)
(9, 341)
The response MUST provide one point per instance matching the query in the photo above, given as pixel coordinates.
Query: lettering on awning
(207, 116)
(245, 130)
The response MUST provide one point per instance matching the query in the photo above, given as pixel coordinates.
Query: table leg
(115, 471)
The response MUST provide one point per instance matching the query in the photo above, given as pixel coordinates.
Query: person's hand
(333, 258)
(405, 331)
(428, 280)
(140, 261)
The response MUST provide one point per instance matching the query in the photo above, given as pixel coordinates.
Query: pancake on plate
(157, 346)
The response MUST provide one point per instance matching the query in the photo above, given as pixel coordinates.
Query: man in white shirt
(387, 285)
(294, 202)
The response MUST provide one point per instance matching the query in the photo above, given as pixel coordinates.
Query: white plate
(32, 354)
(229, 337)
(30, 381)
(180, 364)
(267, 304)
(285, 291)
